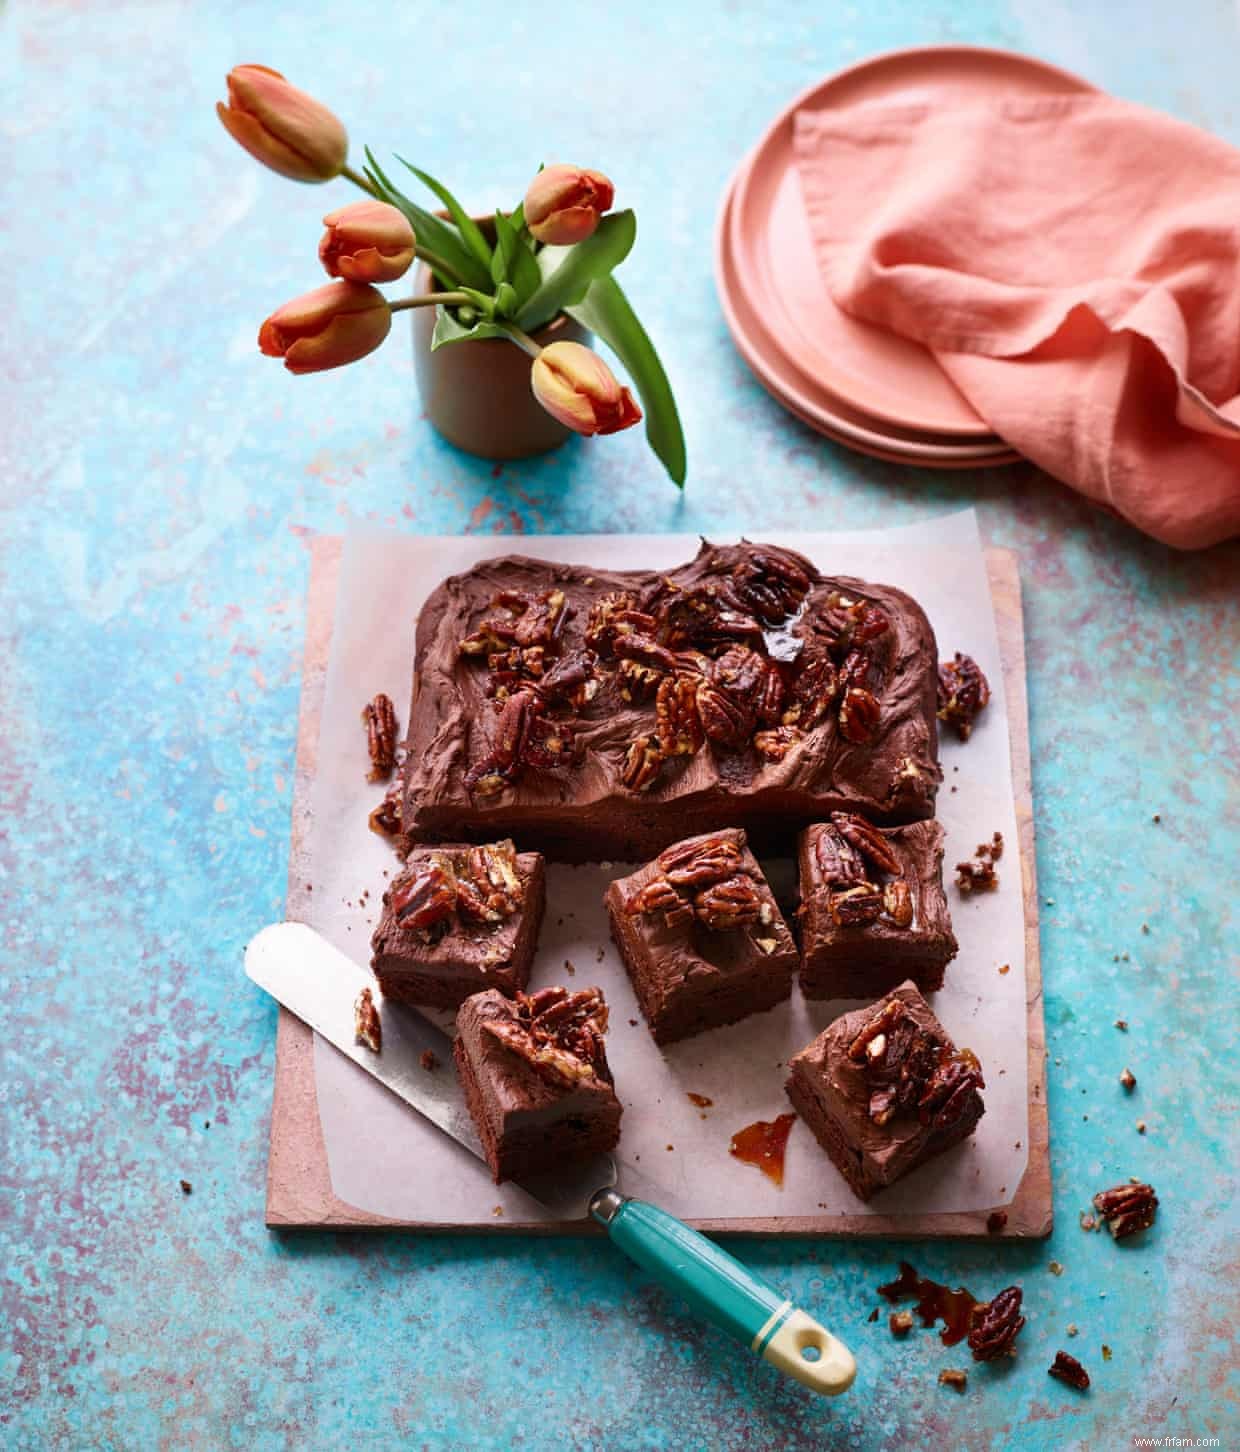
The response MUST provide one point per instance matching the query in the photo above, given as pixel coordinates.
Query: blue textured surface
(159, 479)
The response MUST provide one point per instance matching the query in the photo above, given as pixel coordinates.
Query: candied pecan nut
(976, 875)
(637, 681)
(658, 895)
(837, 861)
(677, 724)
(868, 840)
(879, 1026)
(859, 904)
(949, 1090)
(424, 897)
(697, 864)
(642, 764)
(725, 721)
(366, 1026)
(708, 614)
(772, 582)
(963, 692)
(488, 888)
(571, 679)
(900, 1322)
(847, 623)
(814, 691)
(957, 1380)
(615, 614)
(860, 715)
(502, 761)
(995, 1326)
(1127, 1209)
(646, 651)
(379, 717)
(898, 902)
(1069, 1369)
(733, 903)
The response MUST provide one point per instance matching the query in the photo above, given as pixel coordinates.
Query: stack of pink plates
(856, 383)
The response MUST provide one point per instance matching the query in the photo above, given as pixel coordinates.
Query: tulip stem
(358, 180)
(521, 339)
(430, 300)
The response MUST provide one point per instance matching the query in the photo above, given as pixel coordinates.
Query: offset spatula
(314, 980)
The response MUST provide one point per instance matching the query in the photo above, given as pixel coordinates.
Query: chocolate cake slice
(457, 920)
(536, 1080)
(701, 936)
(599, 714)
(884, 1089)
(873, 911)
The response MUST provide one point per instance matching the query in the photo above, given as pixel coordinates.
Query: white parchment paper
(385, 1159)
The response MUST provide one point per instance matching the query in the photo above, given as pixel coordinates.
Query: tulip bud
(367, 242)
(283, 127)
(564, 203)
(575, 386)
(335, 324)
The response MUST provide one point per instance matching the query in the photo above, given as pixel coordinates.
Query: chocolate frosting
(584, 812)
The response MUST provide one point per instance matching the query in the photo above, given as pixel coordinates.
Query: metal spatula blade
(304, 972)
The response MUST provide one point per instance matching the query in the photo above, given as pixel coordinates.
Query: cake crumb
(428, 1060)
(1140, 1126)
(186, 1188)
(632, 1023)
(1106, 1352)
(995, 1221)
(671, 1146)
(1073, 1329)
(1055, 1268)
(497, 1210)
(957, 1380)
(1122, 1025)
(1004, 968)
(569, 968)
(1128, 1079)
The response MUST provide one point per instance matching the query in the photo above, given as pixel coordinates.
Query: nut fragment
(642, 764)
(957, 1380)
(1068, 1369)
(386, 817)
(898, 902)
(366, 1026)
(901, 1322)
(995, 1326)
(678, 727)
(978, 874)
(963, 692)
(1127, 1209)
(1129, 1080)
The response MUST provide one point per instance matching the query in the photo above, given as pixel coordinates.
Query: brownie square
(458, 920)
(536, 1078)
(702, 937)
(873, 911)
(600, 714)
(884, 1089)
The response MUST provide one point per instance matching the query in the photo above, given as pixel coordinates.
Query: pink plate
(888, 377)
(819, 410)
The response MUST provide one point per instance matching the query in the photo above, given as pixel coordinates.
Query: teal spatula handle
(722, 1291)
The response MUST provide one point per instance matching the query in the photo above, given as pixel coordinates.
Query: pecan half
(860, 716)
(488, 888)
(386, 817)
(613, 615)
(898, 1060)
(366, 1026)
(861, 903)
(1127, 1209)
(772, 582)
(837, 861)
(642, 764)
(868, 840)
(733, 903)
(697, 864)
(995, 1326)
(725, 721)
(898, 902)
(572, 680)
(424, 897)
(963, 693)
(848, 623)
(379, 717)
(1068, 1368)
(678, 727)
(646, 651)
(488, 775)
(949, 1091)
(658, 895)
(708, 614)
(814, 691)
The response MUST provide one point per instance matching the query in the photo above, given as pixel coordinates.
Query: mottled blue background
(159, 480)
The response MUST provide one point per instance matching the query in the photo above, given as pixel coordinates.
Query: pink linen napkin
(1073, 262)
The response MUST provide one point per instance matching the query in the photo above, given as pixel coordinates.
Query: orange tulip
(283, 127)
(333, 325)
(564, 203)
(367, 242)
(575, 386)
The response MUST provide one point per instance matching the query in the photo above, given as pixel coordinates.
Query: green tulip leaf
(606, 312)
(448, 330)
(465, 224)
(513, 262)
(433, 233)
(567, 272)
(506, 300)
